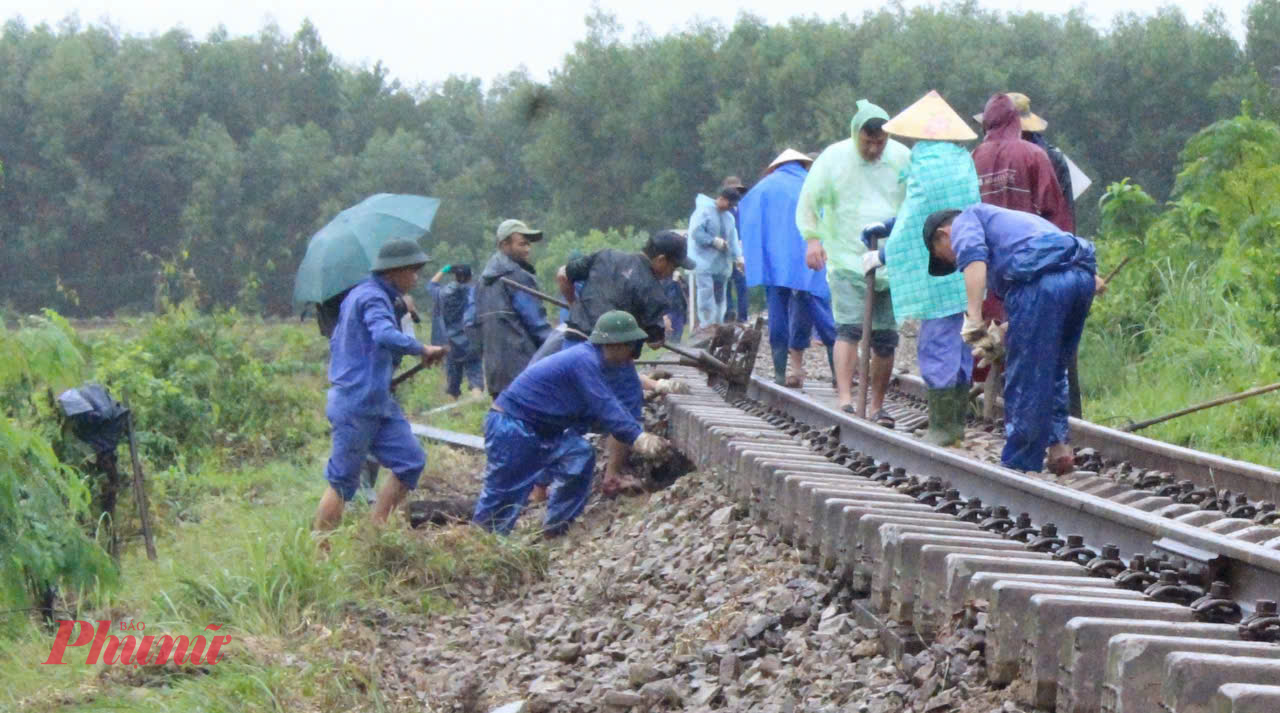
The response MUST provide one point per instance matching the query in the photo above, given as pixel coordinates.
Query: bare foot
(539, 494)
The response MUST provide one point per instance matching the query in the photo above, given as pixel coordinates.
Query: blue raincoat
(798, 298)
(705, 225)
(534, 433)
(772, 246)
(1046, 278)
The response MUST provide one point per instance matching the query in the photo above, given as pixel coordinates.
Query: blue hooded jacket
(772, 246)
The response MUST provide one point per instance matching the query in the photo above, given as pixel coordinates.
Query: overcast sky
(427, 41)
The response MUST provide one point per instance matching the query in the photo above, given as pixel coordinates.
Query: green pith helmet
(617, 327)
(399, 253)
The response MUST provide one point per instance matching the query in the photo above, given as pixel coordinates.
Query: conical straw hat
(789, 155)
(930, 118)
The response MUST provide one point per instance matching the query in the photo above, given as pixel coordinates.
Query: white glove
(990, 349)
(972, 331)
(740, 264)
(671, 386)
(719, 244)
(871, 260)
(649, 446)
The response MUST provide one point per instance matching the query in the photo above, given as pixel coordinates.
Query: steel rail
(1252, 571)
(1256, 481)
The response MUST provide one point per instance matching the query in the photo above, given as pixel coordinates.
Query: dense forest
(135, 167)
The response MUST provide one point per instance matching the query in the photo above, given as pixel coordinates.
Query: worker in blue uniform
(365, 418)
(534, 430)
(1047, 279)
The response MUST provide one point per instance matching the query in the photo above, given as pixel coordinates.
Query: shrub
(195, 383)
(42, 544)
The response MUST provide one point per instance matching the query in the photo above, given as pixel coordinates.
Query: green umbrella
(341, 253)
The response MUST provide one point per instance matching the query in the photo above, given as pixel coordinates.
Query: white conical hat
(789, 155)
(930, 118)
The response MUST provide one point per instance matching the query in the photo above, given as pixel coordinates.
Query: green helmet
(399, 253)
(617, 327)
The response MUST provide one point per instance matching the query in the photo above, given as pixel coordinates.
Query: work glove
(719, 244)
(990, 349)
(671, 386)
(870, 261)
(972, 331)
(876, 231)
(650, 446)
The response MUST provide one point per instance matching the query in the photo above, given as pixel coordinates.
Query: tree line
(137, 167)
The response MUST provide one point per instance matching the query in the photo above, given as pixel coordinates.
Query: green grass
(1191, 345)
(235, 549)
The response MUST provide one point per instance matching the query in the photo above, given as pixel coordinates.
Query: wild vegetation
(149, 175)
(219, 156)
(1195, 314)
(230, 419)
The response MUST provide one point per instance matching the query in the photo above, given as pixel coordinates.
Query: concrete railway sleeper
(1127, 610)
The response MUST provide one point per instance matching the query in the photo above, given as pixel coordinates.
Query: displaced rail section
(1090, 594)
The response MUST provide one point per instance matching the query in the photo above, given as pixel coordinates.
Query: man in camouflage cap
(536, 427)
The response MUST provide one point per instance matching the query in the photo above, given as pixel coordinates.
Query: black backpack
(95, 417)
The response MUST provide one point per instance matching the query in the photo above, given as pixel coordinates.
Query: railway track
(1094, 592)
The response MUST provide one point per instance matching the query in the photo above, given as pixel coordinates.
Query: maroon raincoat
(1015, 173)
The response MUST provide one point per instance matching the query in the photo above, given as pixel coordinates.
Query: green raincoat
(942, 177)
(843, 193)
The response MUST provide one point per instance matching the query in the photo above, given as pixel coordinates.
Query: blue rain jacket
(772, 245)
(705, 225)
(569, 390)
(361, 352)
(1017, 247)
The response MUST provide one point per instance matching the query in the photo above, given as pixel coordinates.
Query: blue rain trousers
(795, 314)
(517, 458)
(1046, 319)
(388, 439)
(472, 367)
(945, 360)
(712, 293)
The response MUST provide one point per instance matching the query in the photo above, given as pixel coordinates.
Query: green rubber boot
(780, 365)
(947, 409)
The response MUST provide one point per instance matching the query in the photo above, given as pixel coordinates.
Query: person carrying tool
(798, 298)
(942, 176)
(534, 429)
(713, 245)
(1047, 279)
(458, 307)
(513, 323)
(613, 280)
(364, 416)
(852, 184)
